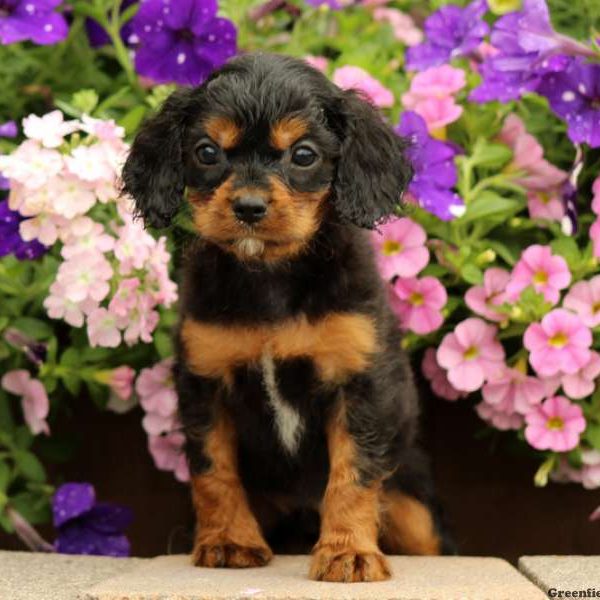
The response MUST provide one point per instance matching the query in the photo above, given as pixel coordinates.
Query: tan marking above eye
(224, 131)
(339, 344)
(287, 131)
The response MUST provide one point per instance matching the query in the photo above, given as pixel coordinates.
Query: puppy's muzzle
(250, 209)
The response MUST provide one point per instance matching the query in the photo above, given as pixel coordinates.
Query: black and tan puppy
(294, 393)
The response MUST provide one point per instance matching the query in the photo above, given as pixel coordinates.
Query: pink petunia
(168, 455)
(584, 299)
(558, 344)
(438, 112)
(436, 82)
(498, 418)
(483, 298)
(418, 303)
(400, 248)
(34, 399)
(513, 391)
(402, 24)
(351, 77)
(471, 354)
(438, 378)
(555, 425)
(583, 382)
(317, 62)
(545, 205)
(538, 267)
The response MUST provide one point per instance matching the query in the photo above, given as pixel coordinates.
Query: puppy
(294, 393)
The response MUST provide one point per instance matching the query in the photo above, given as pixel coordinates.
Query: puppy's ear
(154, 172)
(372, 170)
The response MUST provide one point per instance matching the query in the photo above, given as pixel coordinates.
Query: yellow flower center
(391, 247)
(544, 197)
(501, 7)
(596, 307)
(555, 423)
(558, 340)
(416, 299)
(439, 134)
(471, 353)
(541, 277)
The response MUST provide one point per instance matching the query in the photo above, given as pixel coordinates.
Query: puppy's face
(267, 149)
(259, 188)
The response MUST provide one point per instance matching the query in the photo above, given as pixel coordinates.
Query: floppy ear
(154, 172)
(372, 170)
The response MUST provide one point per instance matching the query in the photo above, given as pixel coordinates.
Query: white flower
(49, 129)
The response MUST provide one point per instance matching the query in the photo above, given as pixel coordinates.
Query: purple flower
(333, 4)
(574, 95)
(181, 41)
(33, 20)
(450, 32)
(10, 240)
(9, 129)
(86, 526)
(98, 36)
(434, 170)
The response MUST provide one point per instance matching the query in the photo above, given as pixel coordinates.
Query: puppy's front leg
(347, 549)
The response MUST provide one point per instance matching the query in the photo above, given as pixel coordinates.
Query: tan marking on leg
(227, 534)
(347, 549)
(407, 526)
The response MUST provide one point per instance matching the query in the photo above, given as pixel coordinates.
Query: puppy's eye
(208, 154)
(304, 156)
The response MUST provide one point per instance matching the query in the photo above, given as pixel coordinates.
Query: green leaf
(488, 204)
(29, 466)
(4, 476)
(131, 121)
(129, 13)
(36, 328)
(592, 435)
(568, 249)
(32, 507)
(488, 154)
(471, 274)
(163, 344)
(85, 101)
(71, 358)
(72, 383)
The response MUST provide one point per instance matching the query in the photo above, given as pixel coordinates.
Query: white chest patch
(288, 423)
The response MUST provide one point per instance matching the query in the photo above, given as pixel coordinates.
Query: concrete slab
(33, 576)
(415, 578)
(555, 574)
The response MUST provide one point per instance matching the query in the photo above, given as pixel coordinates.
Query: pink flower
(438, 378)
(596, 198)
(121, 382)
(400, 248)
(45, 228)
(438, 112)
(72, 197)
(513, 391)
(545, 205)
(317, 62)
(90, 163)
(584, 299)
(532, 170)
(583, 382)
(436, 82)
(141, 321)
(595, 237)
(538, 267)
(125, 299)
(418, 303)
(50, 129)
(559, 344)
(31, 165)
(84, 234)
(555, 425)
(103, 329)
(351, 77)
(590, 471)
(104, 130)
(167, 452)
(471, 354)
(483, 298)
(58, 306)
(34, 400)
(86, 275)
(156, 390)
(403, 26)
(498, 418)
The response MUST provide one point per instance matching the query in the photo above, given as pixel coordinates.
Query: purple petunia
(10, 240)
(8, 129)
(434, 169)
(34, 20)
(86, 526)
(574, 95)
(182, 41)
(450, 32)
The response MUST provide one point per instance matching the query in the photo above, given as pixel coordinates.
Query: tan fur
(407, 526)
(339, 344)
(228, 534)
(224, 131)
(287, 131)
(347, 549)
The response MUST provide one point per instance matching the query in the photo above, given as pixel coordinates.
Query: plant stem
(26, 533)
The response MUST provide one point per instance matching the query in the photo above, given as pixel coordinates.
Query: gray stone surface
(566, 573)
(32, 576)
(415, 578)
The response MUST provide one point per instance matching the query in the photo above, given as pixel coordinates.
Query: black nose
(250, 209)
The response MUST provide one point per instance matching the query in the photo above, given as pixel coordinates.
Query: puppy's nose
(250, 209)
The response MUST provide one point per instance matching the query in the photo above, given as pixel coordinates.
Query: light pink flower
(90, 163)
(31, 165)
(85, 275)
(545, 205)
(168, 455)
(534, 172)
(400, 248)
(555, 425)
(351, 77)
(156, 389)
(72, 197)
(498, 418)
(483, 298)
(317, 62)
(513, 391)
(121, 382)
(559, 344)
(105, 130)
(45, 227)
(125, 299)
(58, 306)
(583, 382)
(584, 299)
(595, 237)
(471, 354)
(103, 328)
(418, 303)
(596, 198)
(141, 321)
(402, 24)
(538, 267)
(590, 471)
(438, 378)
(34, 400)
(436, 82)
(438, 112)
(49, 129)
(85, 235)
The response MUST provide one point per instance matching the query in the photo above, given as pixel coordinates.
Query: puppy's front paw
(347, 565)
(229, 554)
